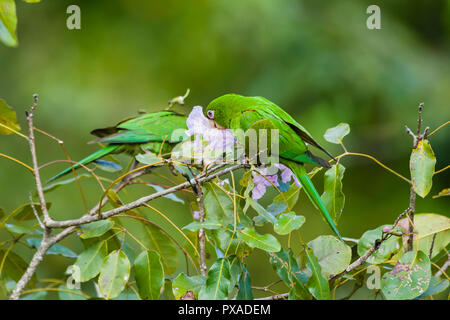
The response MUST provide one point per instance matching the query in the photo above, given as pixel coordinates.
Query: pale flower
(262, 181)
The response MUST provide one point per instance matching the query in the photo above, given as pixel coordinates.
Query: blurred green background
(316, 59)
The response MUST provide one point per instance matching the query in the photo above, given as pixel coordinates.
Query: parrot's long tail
(300, 171)
(96, 155)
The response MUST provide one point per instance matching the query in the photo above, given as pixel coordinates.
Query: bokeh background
(316, 59)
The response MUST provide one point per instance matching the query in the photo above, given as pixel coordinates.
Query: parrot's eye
(210, 114)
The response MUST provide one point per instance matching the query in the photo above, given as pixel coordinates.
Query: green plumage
(154, 132)
(233, 111)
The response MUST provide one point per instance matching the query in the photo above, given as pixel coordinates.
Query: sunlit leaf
(90, 261)
(96, 228)
(317, 284)
(265, 242)
(149, 275)
(421, 164)
(8, 116)
(148, 158)
(287, 222)
(291, 197)
(153, 238)
(54, 249)
(183, 283)
(333, 197)
(217, 281)
(114, 274)
(285, 265)
(386, 250)
(337, 134)
(429, 224)
(409, 278)
(8, 23)
(333, 255)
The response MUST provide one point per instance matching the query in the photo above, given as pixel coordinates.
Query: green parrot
(232, 111)
(154, 132)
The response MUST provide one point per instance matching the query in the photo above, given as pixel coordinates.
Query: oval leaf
(183, 283)
(217, 281)
(114, 274)
(149, 275)
(421, 164)
(317, 284)
(387, 249)
(337, 134)
(95, 229)
(288, 222)
(90, 261)
(8, 22)
(333, 255)
(265, 242)
(333, 197)
(409, 278)
(8, 117)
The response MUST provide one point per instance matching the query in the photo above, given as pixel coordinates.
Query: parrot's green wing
(152, 131)
(158, 126)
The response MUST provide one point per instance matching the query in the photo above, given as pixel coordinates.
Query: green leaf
(245, 286)
(333, 197)
(56, 249)
(218, 205)
(217, 281)
(14, 228)
(318, 284)
(13, 267)
(333, 255)
(153, 238)
(265, 242)
(409, 278)
(8, 23)
(437, 285)
(429, 224)
(32, 1)
(170, 196)
(114, 274)
(25, 211)
(95, 229)
(149, 275)
(209, 225)
(285, 265)
(386, 250)
(421, 164)
(291, 197)
(148, 158)
(337, 134)
(8, 117)
(287, 222)
(90, 261)
(74, 294)
(260, 210)
(183, 283)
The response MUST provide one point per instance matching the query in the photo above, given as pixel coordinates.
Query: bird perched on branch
(156, 132)
(232, 111)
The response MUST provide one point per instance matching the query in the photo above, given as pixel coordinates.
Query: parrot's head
(221, 110)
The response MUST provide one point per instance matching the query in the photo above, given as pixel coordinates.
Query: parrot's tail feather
(300, 171)
(96, 155)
